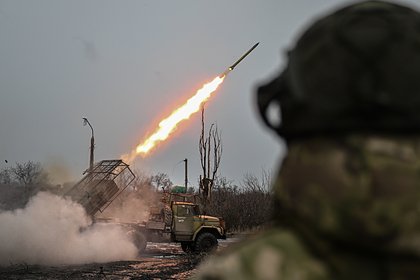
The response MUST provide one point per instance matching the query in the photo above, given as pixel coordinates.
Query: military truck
(178, 220)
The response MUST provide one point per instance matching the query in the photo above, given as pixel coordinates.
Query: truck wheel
(206, 242)
(187, 247)
(139, 240)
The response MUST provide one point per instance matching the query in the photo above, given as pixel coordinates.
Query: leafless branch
(210, 147)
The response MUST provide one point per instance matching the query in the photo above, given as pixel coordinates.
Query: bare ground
(160, 261)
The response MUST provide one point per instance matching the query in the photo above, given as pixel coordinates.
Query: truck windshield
(187, 210)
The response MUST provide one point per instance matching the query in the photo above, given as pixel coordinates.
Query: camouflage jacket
(275, 254)
(345, 208)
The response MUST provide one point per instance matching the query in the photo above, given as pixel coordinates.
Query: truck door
(183, 222)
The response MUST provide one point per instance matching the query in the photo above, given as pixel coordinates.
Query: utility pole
(186, 175)
(92, 144)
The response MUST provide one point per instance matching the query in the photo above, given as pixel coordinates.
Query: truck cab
(195, 232)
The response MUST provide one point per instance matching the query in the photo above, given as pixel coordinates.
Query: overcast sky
(126, 64)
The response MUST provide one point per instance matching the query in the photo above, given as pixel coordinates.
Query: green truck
(178, 220)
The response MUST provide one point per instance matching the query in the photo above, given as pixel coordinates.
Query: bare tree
(252, 183)
(248, 206)
(5, 176)
(24, 180)
(161, 180)
(210, 147)
(28, 173)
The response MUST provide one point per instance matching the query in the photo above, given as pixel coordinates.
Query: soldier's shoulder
(273, 254)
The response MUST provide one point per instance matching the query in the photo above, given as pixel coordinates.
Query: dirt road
(160, 261)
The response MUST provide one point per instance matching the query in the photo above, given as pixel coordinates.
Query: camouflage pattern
(275, 254)
(347, 196)
(354, 202)
(345, 209)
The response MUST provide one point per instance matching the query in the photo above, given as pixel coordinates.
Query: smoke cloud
(131, 210)
(132, 205)
(52, 230)
(58, 171)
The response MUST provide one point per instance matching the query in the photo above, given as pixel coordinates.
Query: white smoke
(52, 230)
(131, 209)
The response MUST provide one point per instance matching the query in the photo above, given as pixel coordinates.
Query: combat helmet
(355, 70)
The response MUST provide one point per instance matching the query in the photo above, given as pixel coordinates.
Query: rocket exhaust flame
(169, 124)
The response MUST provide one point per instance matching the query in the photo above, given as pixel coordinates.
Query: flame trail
(169, 124)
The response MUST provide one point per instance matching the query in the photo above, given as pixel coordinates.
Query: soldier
(347, 198)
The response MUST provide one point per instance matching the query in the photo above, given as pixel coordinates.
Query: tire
(187, 247)
(139, 240)
(205, 243)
